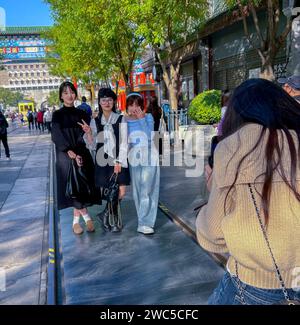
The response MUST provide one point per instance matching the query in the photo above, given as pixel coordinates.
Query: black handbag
(78, 186)
(111, 195)
(111, 191)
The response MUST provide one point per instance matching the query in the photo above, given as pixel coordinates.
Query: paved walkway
(130, 268)
(23, 207)
(99, 268)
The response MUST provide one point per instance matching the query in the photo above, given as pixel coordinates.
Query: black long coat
(68, 135)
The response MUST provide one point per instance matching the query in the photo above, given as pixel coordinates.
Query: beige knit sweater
(238, 231)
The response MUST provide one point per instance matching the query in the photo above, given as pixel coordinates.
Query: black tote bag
(78, 186)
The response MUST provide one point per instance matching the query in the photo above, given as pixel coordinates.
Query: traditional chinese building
(24, 50)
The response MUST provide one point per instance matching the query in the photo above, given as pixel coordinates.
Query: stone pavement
(100, 268)
(23, 226)
(129, 268)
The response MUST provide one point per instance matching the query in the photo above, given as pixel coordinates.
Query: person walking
(107, 134)
(254, 202)
(3, 135)
(85, 107)
(143, 163)
(48, 119)
(40, 120)
(30, 119)
(35, 123)
(67, 136)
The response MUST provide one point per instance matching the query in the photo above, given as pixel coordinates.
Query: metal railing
(171, 116)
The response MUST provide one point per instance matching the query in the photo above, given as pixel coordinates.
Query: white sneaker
(8, 158)
(145, 230)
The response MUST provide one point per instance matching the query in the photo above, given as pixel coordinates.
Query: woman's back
(237, 230)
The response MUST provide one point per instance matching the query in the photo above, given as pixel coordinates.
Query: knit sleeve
(209, 220)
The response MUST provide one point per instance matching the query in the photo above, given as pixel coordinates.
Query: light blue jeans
(227, 293)
(145, 185)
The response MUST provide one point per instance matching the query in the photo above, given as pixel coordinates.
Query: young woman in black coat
(67, 136)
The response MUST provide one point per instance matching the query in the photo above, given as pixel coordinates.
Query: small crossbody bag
(287, 300)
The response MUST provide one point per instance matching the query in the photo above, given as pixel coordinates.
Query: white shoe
(8, 158)
(145, 230)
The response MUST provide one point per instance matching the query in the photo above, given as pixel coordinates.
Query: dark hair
(131, 99)
(63, 86)
(225, 98)
(262, 102)
(106, 92)
(153, 107)
(83, 98)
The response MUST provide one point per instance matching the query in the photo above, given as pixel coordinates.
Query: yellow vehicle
(24, 106)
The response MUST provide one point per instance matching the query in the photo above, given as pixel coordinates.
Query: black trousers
(3, 139)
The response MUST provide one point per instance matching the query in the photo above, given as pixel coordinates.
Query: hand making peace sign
(85, 127)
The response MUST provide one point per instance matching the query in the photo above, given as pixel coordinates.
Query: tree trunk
(267, 71)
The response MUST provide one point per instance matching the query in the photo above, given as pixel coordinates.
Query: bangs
(135, 100)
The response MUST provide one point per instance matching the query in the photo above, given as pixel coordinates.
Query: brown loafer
(77, 229)
(90, 226)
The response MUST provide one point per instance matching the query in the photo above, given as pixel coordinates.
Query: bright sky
(25, 13)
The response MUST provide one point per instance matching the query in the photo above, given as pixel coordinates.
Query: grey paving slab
(130, 268)
(23, 205)
(182, 194)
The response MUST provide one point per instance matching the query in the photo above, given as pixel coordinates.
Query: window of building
(31, 66)
(21, 74)
(26, 66)
(15, 75)
(38, 74)
(37, 66)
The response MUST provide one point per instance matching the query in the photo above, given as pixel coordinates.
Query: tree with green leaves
(166, 25)
(93, 39)
(53, 98)
(9, 98)
(268, 40)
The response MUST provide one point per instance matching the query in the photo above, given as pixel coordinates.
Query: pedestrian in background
(3, 135)
(30, 119)
(292, 86)
(48, 119)
(40, 120)
(107, 134)
(35, 119)
(85, 107)
(67, 136)
(155, 110)
(254, 202)
(143, 163)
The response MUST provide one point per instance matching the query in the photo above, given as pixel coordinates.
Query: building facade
(24, 50)
(221, 56)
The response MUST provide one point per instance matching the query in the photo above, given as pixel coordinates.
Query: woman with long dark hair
(254, 202)
(69, 144)
(107, 134)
